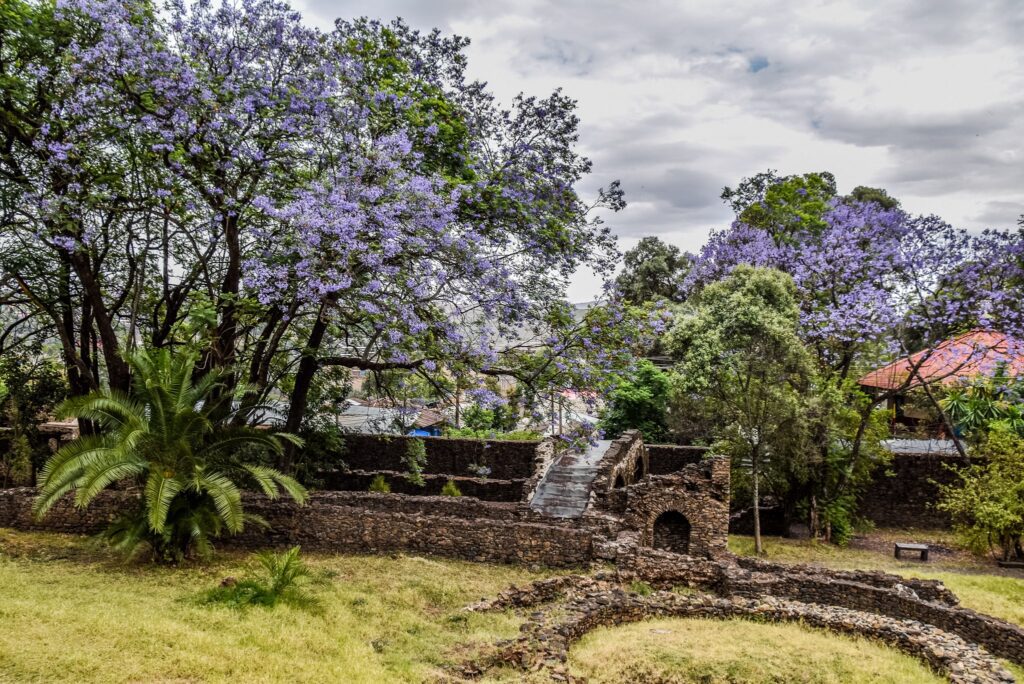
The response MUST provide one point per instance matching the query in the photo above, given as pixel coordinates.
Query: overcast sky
(678, 99)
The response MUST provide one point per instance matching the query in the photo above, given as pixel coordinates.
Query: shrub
(415, 459)
(450, 489)
(987, 505)
(283, 578)
(163, 439)
(380, 485)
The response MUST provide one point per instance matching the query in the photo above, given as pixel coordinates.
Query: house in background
(974, 354)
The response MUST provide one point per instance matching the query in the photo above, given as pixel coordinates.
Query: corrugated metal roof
(921, 447)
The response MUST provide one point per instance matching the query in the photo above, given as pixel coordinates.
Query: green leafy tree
(161, 438)
(740, 352)
(34, 386)
(652, 270)
(639, 403)
(783, 206)
(879, 196)
(987, 503)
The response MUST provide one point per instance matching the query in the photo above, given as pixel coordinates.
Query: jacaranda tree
(221, 176)
(872, 282)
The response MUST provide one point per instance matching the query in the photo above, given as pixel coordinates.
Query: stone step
(565, 490)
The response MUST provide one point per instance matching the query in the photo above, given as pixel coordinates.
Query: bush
(380, 485)
(450, 489)
(164, 440)
(415, 459)
(987, 505)
(514, 436)
(283, 578)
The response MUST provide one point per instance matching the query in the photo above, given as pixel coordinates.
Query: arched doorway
(672, 532)
(619, 482)
(638, 469)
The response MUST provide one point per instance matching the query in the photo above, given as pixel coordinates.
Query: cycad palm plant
(161, 438)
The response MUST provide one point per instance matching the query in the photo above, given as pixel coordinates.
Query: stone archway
(671, 532)
(619, 482)
(638, 469)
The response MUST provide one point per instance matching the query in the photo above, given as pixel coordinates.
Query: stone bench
(919, 548)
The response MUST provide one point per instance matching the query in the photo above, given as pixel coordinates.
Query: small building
(974, 354)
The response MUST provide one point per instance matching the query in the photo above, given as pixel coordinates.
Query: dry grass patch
(70, 613)
(677, 651)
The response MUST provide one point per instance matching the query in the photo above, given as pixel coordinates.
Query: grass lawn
(72, 613)
(674, 651)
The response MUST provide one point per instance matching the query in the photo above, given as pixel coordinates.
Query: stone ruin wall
(903, 492)
(491, 522)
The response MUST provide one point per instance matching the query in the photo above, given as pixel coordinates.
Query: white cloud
(922, 97)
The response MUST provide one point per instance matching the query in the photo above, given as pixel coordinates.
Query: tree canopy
(284, 200)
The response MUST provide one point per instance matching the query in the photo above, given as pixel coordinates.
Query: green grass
(74, 615)
(971, 580)
(674, 651)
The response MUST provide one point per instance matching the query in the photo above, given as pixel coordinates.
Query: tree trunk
(303, 381)
(754, 466)
(118, 374)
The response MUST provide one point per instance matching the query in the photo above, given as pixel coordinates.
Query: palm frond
(70, 451)
(237, 437)
(161, 488)
(226, 497)
(110, 409)
(292, 486)
(263, 478)
(99, 475)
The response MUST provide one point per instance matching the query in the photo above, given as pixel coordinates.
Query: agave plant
(162, 439)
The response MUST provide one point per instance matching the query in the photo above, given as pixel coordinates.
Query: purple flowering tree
(872, 283)
(220, 175)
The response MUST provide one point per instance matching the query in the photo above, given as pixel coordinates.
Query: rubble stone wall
(902, 493)
(354, 522)
(669, 458)
(508, 460)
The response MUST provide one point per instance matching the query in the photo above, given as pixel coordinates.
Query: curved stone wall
(548, 634)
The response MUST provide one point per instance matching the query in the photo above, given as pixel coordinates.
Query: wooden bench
(920, 548)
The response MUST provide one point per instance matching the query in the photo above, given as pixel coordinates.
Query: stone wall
(549, 632)
(486, 489)
(693, 502)
(354, 522)
(905, 498)
(508, 460)
(16, 511)
(1000, 638)
(925, 601)
(669, 458)
(624, 463)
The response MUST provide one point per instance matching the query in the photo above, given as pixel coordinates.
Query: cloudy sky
(678, 99)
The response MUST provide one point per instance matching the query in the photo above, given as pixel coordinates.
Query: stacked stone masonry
(903, 492)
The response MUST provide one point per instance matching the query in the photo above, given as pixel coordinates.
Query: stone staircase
(565, 490)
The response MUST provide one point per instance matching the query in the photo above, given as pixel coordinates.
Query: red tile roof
(429, 418)
(978, 352)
